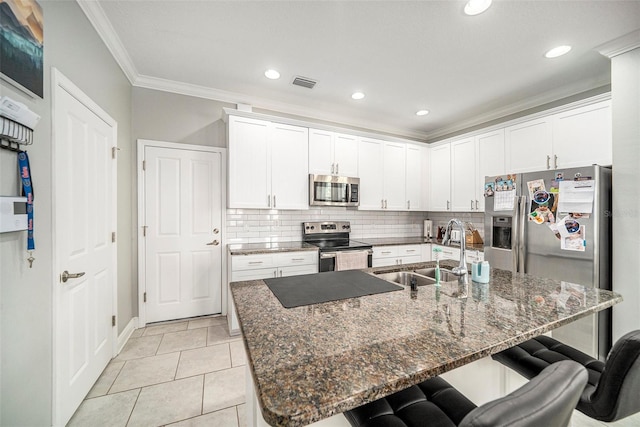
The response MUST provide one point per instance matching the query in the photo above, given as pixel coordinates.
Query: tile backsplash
(265, 225)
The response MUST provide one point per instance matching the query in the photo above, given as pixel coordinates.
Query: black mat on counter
(295, 291)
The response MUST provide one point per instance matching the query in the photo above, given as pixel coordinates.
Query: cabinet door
(529, 146)
(320, 152)
(289, 168)
(297, 270)
(491, 160)
(345, 155)
(249, 163)
(394, 176)
(371, 174)
(463, 175)
(414, 178)
(426, 252)
(583, 136)
(440, 178)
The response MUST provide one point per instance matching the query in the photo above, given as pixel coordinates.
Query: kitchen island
(311, 362)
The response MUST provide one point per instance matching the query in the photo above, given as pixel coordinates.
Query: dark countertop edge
(263, 248)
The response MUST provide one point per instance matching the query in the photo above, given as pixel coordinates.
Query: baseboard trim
(126, 334)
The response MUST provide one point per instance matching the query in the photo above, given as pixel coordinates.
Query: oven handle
(324, 255)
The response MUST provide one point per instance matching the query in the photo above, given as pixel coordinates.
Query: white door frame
(61, 82)
(142, 279)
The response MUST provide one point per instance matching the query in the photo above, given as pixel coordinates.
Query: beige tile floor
(180, 373)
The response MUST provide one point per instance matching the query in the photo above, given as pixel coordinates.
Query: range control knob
(344, 227)
(313, 227)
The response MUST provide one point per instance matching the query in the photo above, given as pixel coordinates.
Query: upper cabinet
(440, 178)
(263, 171)
(415, 176)
(572, 138)
(332, 153)
(464, 184)
(583, 136)
(490, 160)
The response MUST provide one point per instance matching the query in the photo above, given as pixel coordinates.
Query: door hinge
(144, 299)
(113, 237)
(114, 150)
(144, 231)
(113, 320)
(144, 165)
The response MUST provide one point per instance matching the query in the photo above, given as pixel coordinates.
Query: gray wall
(625, 81)
(26, 295)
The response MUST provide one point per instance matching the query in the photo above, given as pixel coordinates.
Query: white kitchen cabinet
(266, 266)
(267, 165)
(473, 255)
(426, 252)
(396, 255)
(529, 145)
(583, 136)
(385, 170)
(332, 153)
(448, 252)
(440, 178)
(415, 173)
(464, 185)
(490, 160)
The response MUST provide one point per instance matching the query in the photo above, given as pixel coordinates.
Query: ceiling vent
(304, 82)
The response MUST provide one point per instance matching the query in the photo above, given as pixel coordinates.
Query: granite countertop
(267, 248)
(312, 362)
(393, 241)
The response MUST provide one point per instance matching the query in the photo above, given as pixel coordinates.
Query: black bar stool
(613, 390)
(547, 400)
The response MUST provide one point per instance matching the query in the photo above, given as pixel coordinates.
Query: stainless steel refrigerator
(556, 224)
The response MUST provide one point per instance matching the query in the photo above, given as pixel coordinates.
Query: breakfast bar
(311, 362)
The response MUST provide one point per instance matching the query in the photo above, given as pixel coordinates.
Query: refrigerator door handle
(522, 224)
(514, 237)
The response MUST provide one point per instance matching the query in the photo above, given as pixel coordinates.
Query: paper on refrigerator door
(576, 196)
(504, 200)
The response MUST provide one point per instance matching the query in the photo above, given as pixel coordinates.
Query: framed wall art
(21, 45)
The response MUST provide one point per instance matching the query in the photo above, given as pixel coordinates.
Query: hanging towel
(351, 260)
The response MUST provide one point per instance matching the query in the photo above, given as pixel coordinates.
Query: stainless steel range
(332, 237)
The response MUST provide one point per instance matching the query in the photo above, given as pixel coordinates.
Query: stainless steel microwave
(329, 190)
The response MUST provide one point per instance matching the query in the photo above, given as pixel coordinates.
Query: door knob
(216, 231)
(66, 276)
(214, 243)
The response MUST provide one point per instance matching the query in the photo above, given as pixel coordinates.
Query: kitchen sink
(445, 275)
(406, 277)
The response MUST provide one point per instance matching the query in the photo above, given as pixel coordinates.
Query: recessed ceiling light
(357, 95)
(476, 7)
(422, 112)
(272, 74)
(557, 51)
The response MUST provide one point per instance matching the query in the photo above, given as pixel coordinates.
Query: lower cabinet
(396, 255)
(266, 266)
(447, 252)
(426, 252)
(474, 255)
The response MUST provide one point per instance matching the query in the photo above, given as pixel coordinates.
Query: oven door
(328, 261)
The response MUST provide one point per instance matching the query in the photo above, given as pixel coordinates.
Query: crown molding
(107, 33)
(620, 45)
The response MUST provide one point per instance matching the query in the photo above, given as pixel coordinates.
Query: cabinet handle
(385, 252)
(548, 159)
(408, 204)
(297, 259)
(410, 250)
(332, 168)
(280, 272)
(385, 203)
(471, 204)
(337, 168)
(274, 200)
(269, 200)
(447, 205)
(382, 203)
(400, 261)
(555, 161)
(256, 262)
(477, 208)
(275, 273)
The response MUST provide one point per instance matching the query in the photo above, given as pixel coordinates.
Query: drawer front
(448, 253)
(261, 273)
(409, 250)
(385, 252)
(252, 262)
(296, 258)
(410, 259)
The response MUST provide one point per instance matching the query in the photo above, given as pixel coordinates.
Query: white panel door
(414, 178)
(289, 168)
(463, 175)
(321, 152)
(371, 174)
(249, 163)
(440, 178)
(183, 254)
(394, 176)
(84, 219)
(528, 146)
(491, 161)
(583, 136)
(345, 154)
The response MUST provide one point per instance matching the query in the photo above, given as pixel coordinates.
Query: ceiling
(404, 55)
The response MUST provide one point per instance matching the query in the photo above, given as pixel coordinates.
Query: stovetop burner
(339, 244)
(331, 235)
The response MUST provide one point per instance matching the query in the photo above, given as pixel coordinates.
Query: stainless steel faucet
(461, 269)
